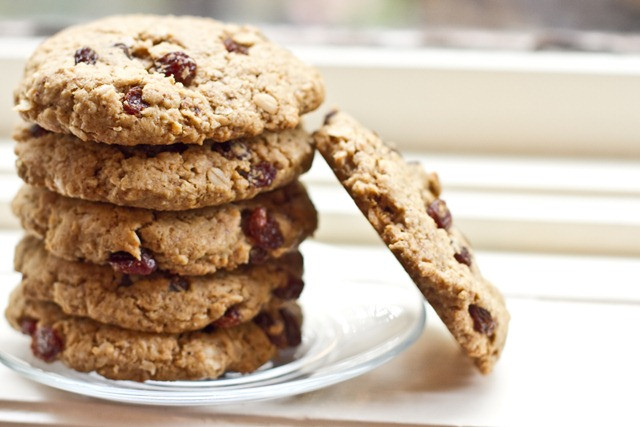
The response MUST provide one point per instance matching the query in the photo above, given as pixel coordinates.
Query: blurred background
(582, 25)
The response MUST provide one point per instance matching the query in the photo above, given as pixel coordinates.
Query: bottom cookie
(120, 354)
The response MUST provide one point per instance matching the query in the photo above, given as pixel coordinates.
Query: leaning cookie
(157, 302)
(146, 79)
(120, 354)
(193, 242)
(175, 177)
(401, 202)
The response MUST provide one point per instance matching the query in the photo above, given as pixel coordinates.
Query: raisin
(179, 65)
(289, 336)
(28, 325)
(133, 103)
(292, 331)
(261, 174)
(233, 47)
(291, 291)
(232, 150)
(258, 255)
(37, 131)
(124, 262)
(124, 48)
(463, 257)
(178, 284)
(482, 320)
(86, 55)
(46, 343)
(264, 321)
(230, 318)
(262, 229)
(439, 212)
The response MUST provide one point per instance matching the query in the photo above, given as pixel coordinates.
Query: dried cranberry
(124, 262)
(37, 131)
(440, 213)
(261, 175)
(482, 320)
(86, 55)
(179, 65)
(230, 318)
(292, 290)
(292, 330)
(463, 257)
(258, 255)
(232, 150)
(46, 343)
(262, 229)
(233, 47)
(124, 48)
(264, 321)
(289, 336)
(133, 103)
(178, 284)
(28, 325)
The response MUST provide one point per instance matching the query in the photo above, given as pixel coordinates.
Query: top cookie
(402, 203)
(144, 79)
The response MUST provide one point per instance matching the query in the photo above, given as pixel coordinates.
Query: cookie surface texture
(157, 302)
(144, 79)
(120, 354)
(402, 203)
(176, 177)
(193, 242)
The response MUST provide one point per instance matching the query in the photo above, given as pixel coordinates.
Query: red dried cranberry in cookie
(46, 343)
(86, 55)
(262, 229)
(463, 257)
(257, 255)
(289, 336)
(482, 320)
(179, 65)
(232, 150)
(133, 103)
(439, 212)
(261, 175)
(28, 325)
(292, 330)
(291, 291)
(124, 262)
(233, 47)
(230, 318)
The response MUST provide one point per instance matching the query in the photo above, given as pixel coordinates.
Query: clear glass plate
(349, 328)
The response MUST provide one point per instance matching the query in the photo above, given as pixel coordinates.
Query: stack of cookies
(162, 208)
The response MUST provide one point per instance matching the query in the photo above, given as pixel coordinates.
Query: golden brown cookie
(175, 177)
(193, 242)
(120, 354)
(144, 79)
(157, 302)
(402, 203)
